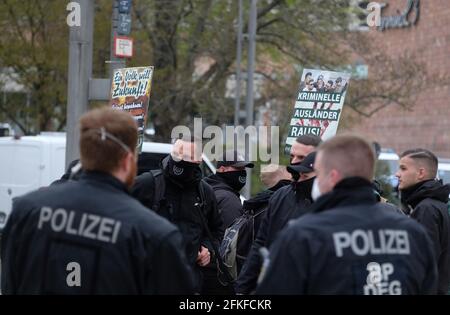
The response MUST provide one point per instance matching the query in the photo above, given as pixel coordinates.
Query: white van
(387, 166)
(444, 170)
(31, 162)
(28, 163)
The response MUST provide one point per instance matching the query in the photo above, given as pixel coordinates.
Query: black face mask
(234, 179)
(304, 188)
(295, 175)
(184, 172)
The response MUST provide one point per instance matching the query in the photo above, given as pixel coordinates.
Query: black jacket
(427, 203)
(119, 246)
(349, 244)
(289, 202)
(228, 200)
(260, 202)
(178, 206)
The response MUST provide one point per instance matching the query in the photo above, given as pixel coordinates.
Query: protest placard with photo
(319, 104)
(131, 92)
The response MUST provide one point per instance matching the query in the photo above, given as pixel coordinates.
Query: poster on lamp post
(130, 91)
(319, 105)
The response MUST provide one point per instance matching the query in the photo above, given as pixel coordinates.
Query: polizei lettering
(85, 225)
(381, 242)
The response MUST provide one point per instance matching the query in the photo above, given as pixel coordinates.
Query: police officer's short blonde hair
(351, 155)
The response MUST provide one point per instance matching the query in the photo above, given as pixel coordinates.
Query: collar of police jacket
(105, 178)
(348, 192)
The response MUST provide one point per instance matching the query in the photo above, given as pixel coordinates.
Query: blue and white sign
(125, 6)
(124, 27)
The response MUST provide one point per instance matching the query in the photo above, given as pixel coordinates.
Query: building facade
(427, 123)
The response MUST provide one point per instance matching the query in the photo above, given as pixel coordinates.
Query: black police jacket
(287, 203)
(427, 202)
(91, 237)
(349, 244)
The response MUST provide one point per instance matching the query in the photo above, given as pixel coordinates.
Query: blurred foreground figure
(348, 244)
(90, 236)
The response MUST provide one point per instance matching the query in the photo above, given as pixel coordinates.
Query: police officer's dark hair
(352, 156)
(100, 153)
(313, 140)
(425, 157)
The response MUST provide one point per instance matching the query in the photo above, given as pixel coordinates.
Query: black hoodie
(426, 202)
(179, 207)
(228, 200)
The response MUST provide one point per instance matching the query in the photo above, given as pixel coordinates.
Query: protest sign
(130, 91)
(319, 104)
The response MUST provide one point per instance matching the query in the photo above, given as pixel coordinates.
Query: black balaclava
(183, 171)
(234, 179)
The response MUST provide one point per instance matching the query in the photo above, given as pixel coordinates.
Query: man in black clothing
(276, 177)
(425, 200)
(90, 236)
(228, 181)
(303, 146)
(348, 244)
(286, 203)
(174, 192)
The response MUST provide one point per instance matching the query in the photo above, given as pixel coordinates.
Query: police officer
(90, 236)
(349, 245)
(287, 203)
(177, 192)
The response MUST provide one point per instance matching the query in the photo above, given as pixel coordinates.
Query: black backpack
(238, 240)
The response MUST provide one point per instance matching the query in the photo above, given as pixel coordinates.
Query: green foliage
(31, 48)
(192, 45)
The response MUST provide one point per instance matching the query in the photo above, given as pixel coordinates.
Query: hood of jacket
(432, 189)
(218, 183)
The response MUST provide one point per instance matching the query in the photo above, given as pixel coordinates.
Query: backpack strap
(201, 209)
(159, 189)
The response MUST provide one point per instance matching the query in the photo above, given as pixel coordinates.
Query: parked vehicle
(387, 166)
(444, 170)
